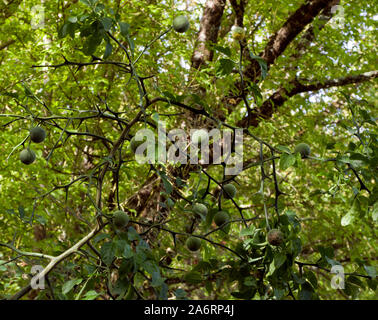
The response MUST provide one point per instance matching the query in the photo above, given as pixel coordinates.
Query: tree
(93, 74)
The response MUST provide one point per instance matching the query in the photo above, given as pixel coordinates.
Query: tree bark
(208, 33)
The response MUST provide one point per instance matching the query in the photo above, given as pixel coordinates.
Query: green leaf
(108, 50)
(181, 294)
(86, 2)
(371, 271)
(63, 31)
(250, 231)
(91, 295)
(125, 28)
(326, 252)
(157, 280)
(283, 149)
(100, 237)
(91, 44)
(155, 117)
(375, 212)
(310, 276)
(131, 44)
(67, 287)
(262, 63)
(107, 23)
(21, 212)
(348, 218)
(256, 93)
(124, 249)
(224, 50)
(351, 214)
(163, 293)
(306, 291)
(133, 234)
(108, 251)
(193, 277)
(72, 19)
(250, 282)
(286, 161)
(167, 185)
(120, 288)
(278, 260)
(224, 67)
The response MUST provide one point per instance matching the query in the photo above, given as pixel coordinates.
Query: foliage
(96, 72)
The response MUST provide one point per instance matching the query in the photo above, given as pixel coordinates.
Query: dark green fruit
(135, 144)
(275, 237)
(303, 149)
(27, 156)
(120, 219)
(193, 243)
(200, 209)
(180, 24)
(229, 191)
(221, 218)
(37, 134)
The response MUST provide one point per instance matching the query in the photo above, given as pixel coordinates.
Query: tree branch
(282, 95)
(209, 28)
(6, 44)
(277, 44)
(291, 28)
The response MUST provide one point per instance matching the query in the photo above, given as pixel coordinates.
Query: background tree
(91, 74)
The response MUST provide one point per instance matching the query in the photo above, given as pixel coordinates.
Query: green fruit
(180, 24)
(275, 237)
(37, 134)
(303, 149)
(238, 33)
(221, 218)
(27, 156)
(229, 191)
(120, 219)
(135, 144)
(193, 243)
(200, 209)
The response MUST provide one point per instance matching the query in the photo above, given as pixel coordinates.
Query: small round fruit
(37, 134)
(180, 24)
(275, 237)
(120, 219)
(229, 191)
(193, 243)
(135, 144)
(237, 33)
(200, 209)
(221, 218)
(303, 149)
(27, 156)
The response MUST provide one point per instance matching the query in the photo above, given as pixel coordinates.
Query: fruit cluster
(37, 135)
